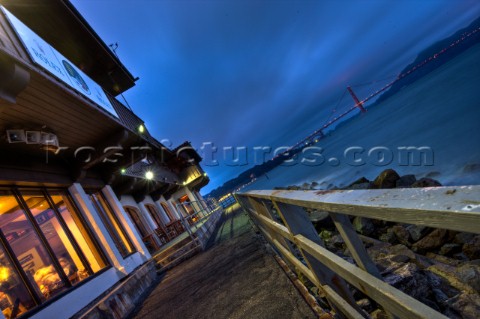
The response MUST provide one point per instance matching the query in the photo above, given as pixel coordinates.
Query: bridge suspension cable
(400, 76)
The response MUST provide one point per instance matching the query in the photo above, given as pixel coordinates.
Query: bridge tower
(357, 101)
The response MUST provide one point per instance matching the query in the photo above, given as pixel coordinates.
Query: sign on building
(55, 63)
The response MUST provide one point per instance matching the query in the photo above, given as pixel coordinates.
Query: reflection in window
(14, 297)
(82, 236)
(29, 250)
(44, 249)
(169, 213)
(111, 222)
(135, 217)
(186, 205)
(154, 214)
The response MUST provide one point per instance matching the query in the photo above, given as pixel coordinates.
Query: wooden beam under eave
(155, 195)
(13, 80)
(146, 188)
(126, 187)
(108, 148)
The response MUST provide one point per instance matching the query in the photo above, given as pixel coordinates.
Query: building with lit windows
(87, 195)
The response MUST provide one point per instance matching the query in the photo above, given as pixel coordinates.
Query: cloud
(261, 72)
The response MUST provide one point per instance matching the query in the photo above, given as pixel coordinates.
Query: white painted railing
(283, 220)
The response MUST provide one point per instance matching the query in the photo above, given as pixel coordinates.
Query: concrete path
(234, 278)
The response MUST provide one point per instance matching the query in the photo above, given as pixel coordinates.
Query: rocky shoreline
(438, 267)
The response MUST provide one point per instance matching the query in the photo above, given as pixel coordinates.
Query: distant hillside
(443, 58)
(246, 176)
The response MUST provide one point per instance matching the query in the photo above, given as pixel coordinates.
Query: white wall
(80, 297)
(95, 223)
(127, 224)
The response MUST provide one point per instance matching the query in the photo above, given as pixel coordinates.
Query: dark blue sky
(260, 73)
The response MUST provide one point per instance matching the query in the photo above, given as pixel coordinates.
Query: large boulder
(405, 181)
(462, 238)
(469, 273)
(402, 234)
(450, 248)
(389, 236)
(379, 314)
(472, 248)
(417, 232)
(426, 182)
(410, 280)
(361, 183)
(363, 225)
(432, 241)
(450, 275)
(386, 179)
(464, 305)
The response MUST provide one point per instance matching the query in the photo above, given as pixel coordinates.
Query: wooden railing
(282, 218)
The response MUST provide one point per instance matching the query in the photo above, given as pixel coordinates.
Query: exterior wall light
(48, 141)
(205, 174)
(141, 129)
(16, 136)
(123, 171)
(33, 137)
(149, 175)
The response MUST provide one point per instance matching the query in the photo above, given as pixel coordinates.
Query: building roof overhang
(60, 24)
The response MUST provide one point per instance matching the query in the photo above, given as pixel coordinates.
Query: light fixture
(33, 137)
(123, 171)
(149, 175)
(16, 136)
(49, 142)
(141, 129)
(205, 174)
(48, 139)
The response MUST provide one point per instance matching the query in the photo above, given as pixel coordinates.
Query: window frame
(154, 213)
(113, 233)
(16, 192)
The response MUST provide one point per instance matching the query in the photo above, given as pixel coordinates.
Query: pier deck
(234, 278)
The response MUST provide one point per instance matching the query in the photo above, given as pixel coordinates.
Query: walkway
(234, 278)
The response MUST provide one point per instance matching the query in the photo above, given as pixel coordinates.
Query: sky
(244, 73)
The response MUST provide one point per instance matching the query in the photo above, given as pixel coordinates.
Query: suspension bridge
(318, 134)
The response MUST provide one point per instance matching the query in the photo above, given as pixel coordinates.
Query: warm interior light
(149, 175)
(50, 148)
(4, 274)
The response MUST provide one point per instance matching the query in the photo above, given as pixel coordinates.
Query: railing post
(297, 221)
(260, 207)
(354, 244)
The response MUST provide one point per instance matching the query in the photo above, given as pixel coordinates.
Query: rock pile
(438, 267)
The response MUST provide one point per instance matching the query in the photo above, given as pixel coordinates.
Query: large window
(168, 211)
(154, 213)
(113, 225)
(186, 205)
(135, 217)
(45, 248)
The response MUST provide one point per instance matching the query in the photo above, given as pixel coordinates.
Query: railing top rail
(453, 207)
